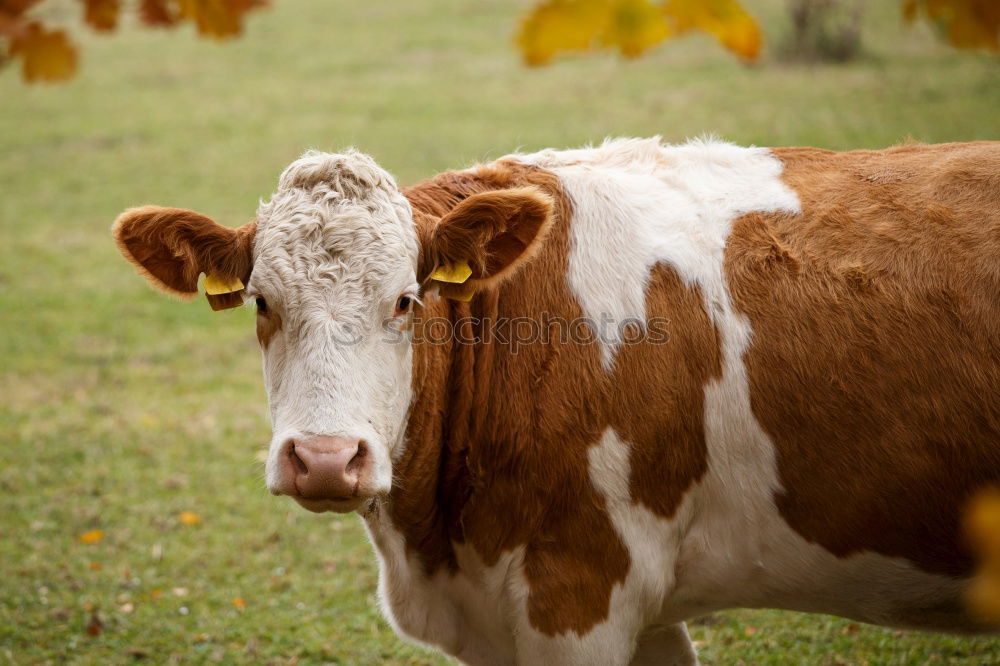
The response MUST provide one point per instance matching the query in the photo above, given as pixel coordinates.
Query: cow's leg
(665, 646)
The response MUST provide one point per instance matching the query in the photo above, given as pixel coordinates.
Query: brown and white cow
(805, 437)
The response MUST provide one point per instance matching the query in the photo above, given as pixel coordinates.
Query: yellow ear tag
(456, 274)
(215, 285)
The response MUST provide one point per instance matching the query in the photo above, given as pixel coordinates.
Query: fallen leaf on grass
(239, 603)
(749, 631)
(95, 625)
(92, 536)
(155, 594)
(137, 653)
(189, 518)
(94, 566)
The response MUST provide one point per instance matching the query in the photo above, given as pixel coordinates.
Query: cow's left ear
(492, 233)
(172, 247)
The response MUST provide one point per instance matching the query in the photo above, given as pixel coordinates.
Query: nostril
(300, 467)
(358, 461)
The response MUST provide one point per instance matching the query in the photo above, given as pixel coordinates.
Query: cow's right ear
(171, 247)
(485, 239)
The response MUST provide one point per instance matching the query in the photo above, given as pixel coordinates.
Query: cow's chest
(466, 613)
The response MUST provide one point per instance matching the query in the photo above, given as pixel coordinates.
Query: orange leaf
(239, 603)
(94, 566)
(92, 536)
(218, 18)
(102, 14)
(967, 24)
(189, 518)
(95, 625)
(157, 13)
(982, 530)
(46, 55)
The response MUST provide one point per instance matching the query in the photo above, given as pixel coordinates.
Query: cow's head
(335, 266)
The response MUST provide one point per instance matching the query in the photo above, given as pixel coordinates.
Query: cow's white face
(334, 279)
(332, 263)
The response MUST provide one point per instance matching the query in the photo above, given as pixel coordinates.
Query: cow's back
(875, 362)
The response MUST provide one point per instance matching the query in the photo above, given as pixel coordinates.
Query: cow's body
(806, 437)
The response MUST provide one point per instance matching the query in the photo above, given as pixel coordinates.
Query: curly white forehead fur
(335, 235)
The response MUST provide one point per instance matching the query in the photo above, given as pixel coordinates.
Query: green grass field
(121, 408)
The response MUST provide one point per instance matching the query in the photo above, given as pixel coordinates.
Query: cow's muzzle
(324, 473)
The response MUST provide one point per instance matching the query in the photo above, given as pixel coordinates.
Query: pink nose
(325, 468)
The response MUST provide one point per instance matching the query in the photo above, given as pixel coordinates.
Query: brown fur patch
(875, 366)
(267, 325)
(497, 441)
(171, 247)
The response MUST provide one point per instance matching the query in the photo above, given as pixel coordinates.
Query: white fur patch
(637, 202)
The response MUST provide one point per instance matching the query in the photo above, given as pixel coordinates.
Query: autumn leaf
(966, 24)
(92, 536)
(101, 15)
(635, 26)
(46, 55)
(95, 625)
(218, 18)
(726, 20)
(239, 603)
(159, 13)
(189, 518)
(632, 26)
(982, 527)
(560, 25)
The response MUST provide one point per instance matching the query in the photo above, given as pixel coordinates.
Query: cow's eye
(403, 305)
(261, 306)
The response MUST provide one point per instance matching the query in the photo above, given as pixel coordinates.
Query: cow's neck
(431, 480)
(464, 424)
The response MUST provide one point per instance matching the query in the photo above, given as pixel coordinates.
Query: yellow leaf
(726, 20)
(239, 603)
(92, 536)
(632, 26)
(982, 528)
(102, 14)
(561, 25)
(635, 26)
(189, 518)
(46, 55)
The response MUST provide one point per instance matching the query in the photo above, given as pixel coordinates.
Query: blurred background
(134, 523)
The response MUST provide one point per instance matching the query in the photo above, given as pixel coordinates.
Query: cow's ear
(492, 233)
(171, 247)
